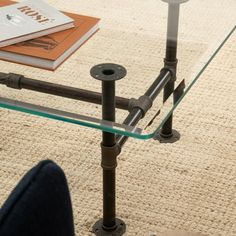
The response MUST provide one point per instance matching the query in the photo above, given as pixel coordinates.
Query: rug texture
(189, 185)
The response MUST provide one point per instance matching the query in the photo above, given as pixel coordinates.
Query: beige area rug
(189, 185)
(179, 233)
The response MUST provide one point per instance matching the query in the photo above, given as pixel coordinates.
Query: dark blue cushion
(40, 205)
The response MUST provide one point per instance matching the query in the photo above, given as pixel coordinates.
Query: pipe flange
(118, 229)
(108, 72)
(175, 1)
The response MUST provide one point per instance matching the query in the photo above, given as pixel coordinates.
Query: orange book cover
(52, 46)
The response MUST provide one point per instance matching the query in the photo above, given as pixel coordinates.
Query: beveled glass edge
(69, 117)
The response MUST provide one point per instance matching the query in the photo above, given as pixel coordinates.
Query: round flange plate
(174, 137)
(119, 230)
(108, 72)
(175, 1)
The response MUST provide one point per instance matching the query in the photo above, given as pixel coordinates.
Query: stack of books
(36, 34)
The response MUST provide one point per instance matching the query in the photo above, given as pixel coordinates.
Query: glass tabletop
(135, 38)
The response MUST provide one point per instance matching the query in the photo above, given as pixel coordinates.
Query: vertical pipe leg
(171, 61)
(167, 133)
(109, 201)
(109, 166)
(109, 224)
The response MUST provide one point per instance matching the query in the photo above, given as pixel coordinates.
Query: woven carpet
(189, 185)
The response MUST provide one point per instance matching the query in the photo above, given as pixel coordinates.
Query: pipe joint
(144, 103)
(14, 81)
(109, 154)
(171, 66)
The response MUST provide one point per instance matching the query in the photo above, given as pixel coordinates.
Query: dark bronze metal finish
(98, 229)
(170, 61)
(137, 112)
(178, 92)
(174, 138)
(108, 72)
(21, 82)
(109, 224)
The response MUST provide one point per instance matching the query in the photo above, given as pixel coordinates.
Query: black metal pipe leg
(170, 60)
(109, 224)
(166, 131)
(109, 201)
(109, 154)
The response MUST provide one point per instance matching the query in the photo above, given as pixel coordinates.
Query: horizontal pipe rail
(132, 119)
(62, 90)
(136, 113)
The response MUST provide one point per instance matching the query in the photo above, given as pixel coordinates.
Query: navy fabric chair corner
(40, 205)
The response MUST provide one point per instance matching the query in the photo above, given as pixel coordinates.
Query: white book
(30, 19)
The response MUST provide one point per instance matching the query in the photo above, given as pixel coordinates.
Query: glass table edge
(97, 126)
(193, 82)
(107, 128)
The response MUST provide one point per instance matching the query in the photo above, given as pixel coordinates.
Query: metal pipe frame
(137, 113)
(109, 140)
(20, 82)
(171, 61)
(112, 144)
(109, 224)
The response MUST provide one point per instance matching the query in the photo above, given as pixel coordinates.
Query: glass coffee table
(199, 30)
